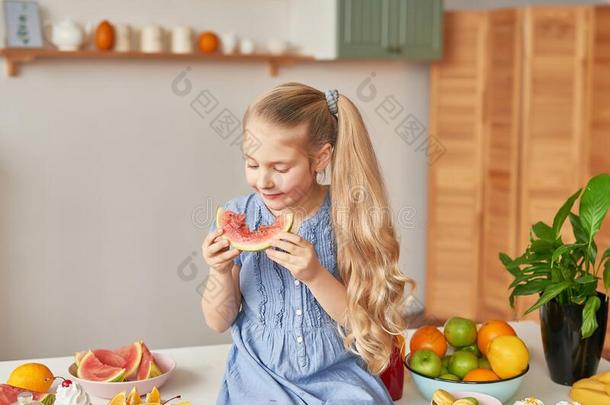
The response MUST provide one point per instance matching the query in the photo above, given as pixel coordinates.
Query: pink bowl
(107, 390)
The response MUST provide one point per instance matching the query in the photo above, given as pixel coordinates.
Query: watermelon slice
(148, 367)
(132, 354)
(241, 237)
(8, 395)
(92, 369)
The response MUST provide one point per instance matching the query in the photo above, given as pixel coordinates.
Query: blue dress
(286, 348)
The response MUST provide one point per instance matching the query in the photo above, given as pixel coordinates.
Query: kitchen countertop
(200, 370)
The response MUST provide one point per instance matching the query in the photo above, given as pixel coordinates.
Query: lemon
(134, 397)
(119, 399)
(508, 356)
(32, 377)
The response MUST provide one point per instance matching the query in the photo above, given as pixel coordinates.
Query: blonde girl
(313, 317)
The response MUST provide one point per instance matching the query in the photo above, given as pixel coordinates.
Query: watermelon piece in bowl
(105, 389)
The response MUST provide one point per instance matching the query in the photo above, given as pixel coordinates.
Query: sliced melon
(148, 367)
(243, 238)
(133, 356)
(78, 357)
(92, 369)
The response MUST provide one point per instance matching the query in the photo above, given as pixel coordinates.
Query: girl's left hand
(301, 259)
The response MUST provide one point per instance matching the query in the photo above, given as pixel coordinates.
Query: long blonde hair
(367, 248)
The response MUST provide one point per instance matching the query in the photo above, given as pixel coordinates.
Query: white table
(200, 369)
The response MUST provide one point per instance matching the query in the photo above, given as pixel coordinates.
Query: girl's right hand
(217, 252)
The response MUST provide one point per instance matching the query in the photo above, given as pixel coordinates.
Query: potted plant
(565, 276)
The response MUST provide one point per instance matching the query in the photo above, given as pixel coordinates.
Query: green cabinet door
(363, 29)
(421, 29)
(390, 29)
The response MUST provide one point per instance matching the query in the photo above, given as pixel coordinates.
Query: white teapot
(66, 35)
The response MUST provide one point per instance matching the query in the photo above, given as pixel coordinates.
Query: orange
(208, 42)
(429, 337)
(508, 356)
(400, 342)
(490, 330)
(32, 377)
(481, 374)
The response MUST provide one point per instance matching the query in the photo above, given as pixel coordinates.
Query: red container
(393, 377)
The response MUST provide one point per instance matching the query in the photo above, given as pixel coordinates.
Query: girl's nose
(265, 180)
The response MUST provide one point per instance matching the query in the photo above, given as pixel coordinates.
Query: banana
(590, 384)
(589, 397)
(603, 377)
(608, 389)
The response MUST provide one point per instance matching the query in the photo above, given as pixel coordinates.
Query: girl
(312, 318)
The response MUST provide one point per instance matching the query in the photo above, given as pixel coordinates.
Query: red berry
(66, 383)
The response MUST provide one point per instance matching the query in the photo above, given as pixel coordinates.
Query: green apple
(450, 377)
(463, 362)
(426, 362)
(472, 349)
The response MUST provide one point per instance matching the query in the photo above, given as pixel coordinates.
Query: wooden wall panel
(597, 152)
(501, 160)
(554, 78)
(455, 179)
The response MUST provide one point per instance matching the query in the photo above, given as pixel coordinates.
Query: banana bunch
(442, 397)
(592, 391)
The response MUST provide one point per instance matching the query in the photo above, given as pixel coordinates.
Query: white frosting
(74, 394)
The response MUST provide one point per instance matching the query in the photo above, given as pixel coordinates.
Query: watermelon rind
(117, 377)
(49, 399)
(253, 246)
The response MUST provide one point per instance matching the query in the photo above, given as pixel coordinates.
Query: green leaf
(543, 231)
(579, 233)
(550, 292)
(542, 246)
(563, 212)
(606, 254)
(586, 279)
(594, 204)
(607, 274)
(564, 249)
(532, 287)
(589, 320)
(510, 264)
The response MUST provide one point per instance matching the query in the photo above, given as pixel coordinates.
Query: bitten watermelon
(92, 369)
(243, 238)
(8, 395)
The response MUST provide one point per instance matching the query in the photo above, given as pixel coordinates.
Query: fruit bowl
(502, 389)
(107, 390)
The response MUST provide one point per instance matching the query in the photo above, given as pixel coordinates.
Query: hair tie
(331, 99)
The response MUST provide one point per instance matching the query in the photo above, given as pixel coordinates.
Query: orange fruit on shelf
(490, 330)
(402, 344)
(208, 42)
(429, 337)
(104, 36)
(481, 374)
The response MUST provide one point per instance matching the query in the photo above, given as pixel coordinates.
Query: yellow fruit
(508, 356)
(590, 384)
(119, 399)
(32, 377)
(603, 377)
(608, 389)
(154, 396)
(589, 397)
(134, 397)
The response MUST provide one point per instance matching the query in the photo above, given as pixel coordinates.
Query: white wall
(102, 167)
